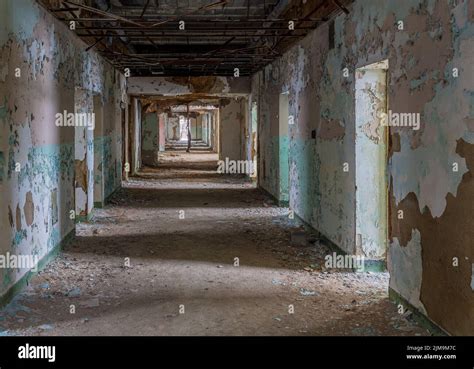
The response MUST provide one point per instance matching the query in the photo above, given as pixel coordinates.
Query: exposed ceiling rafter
(218, 36)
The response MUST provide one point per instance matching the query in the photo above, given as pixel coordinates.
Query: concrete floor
(190, 263)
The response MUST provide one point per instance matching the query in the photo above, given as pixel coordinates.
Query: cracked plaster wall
(438, 202)
(150, 144)
(233, 115)
(53, 63)
(172, 86)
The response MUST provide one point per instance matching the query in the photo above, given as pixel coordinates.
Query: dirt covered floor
(182, 250)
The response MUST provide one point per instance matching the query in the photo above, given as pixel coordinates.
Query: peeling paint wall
(99, 169)
(150, 146)
(172, 128)
(371, 159)
(162, 131)
(171, 86)
(42, 64)
(205, 131)
(233, 119)
(83, 156)
(430, 170)
(198, 128)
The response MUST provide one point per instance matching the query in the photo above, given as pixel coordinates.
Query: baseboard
(19, 285)
(327, 242)
(97, 205)
(420, 318)
(80, 218)
(101, 204)
(375, 266)
(280, 203)
(321, 236)
(283, 203)
(107, 199)
(84, 218)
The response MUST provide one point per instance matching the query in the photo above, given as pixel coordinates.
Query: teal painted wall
(437, 37)
(36, 201)
(150, 140)
(284, 169)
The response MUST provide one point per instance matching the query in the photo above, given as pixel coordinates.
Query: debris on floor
(189, 263)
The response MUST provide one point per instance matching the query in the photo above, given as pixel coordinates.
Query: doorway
(84, 122)
(99, 143)
(283, 150)
(254, 139)
(371, 139)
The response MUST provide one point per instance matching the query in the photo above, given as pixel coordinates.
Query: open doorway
(371, 163)
(177, 134)
(99, 176)
(124, 140)
(283, 149)
(84, 125)
(254, 139)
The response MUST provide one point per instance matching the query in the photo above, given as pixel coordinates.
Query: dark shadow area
(180, 198)
(198, 165)
(207, 245)
(163, 306)
(190, 174)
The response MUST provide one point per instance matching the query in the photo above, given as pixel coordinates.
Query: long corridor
(185, 251)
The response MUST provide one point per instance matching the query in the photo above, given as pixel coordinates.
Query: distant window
(183, 128)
